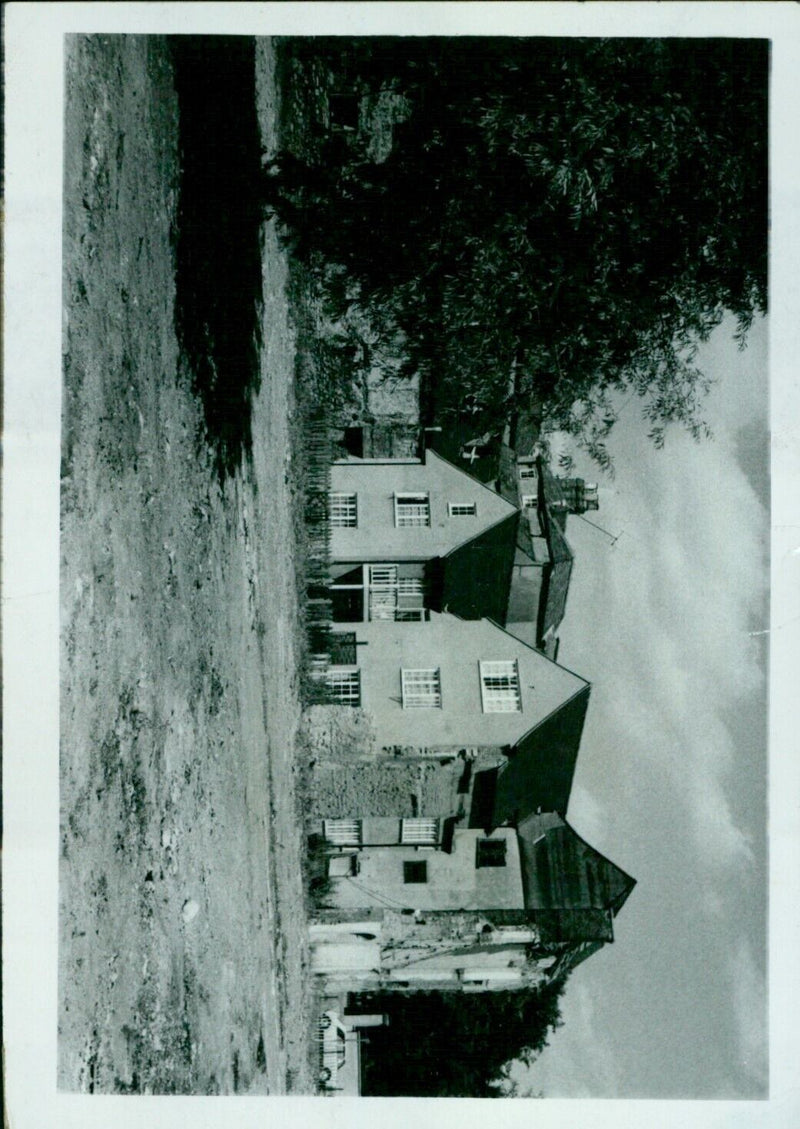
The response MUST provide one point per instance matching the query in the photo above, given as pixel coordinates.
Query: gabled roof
(473, 581)
(376, 536)
(539, 771)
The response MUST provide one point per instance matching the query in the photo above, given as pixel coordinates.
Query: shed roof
(561, 871)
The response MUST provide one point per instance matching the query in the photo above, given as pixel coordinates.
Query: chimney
(577, 496)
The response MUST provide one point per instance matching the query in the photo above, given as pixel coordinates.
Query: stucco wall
(454, 882)
(455, 647)
(377, 539)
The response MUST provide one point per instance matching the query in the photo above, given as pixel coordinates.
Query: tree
(557, 220)
(454, 1044)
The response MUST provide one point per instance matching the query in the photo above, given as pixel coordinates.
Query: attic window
(527, 470)
(462, 509)
(500, 691)
(343, 510)
(530, 501)
(415, 872)
(412, 510)
(490, 852)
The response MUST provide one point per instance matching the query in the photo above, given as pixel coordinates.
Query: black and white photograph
(412, 464)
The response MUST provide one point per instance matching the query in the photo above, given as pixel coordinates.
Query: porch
(392, 592)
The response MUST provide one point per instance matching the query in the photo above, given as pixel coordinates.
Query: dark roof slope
(561, 871)
(555, 589)
(473, 580)
(556, 580)
(540, 769)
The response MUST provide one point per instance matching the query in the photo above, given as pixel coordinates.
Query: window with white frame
(343, 510)
(344, 687)
(500, 691)
(342, 832)
(423, 832)
(462, 509)
(412, 510)
(422, 689)
(527, 470)
(530, 501)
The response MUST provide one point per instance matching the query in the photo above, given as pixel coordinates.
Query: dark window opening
(415, 872)
(490, 852)
(343, 648)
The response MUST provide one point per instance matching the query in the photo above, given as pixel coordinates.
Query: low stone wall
(394, 788)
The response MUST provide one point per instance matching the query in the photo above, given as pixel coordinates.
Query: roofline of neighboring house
(541, 467)
(550, 565)
(547, 572)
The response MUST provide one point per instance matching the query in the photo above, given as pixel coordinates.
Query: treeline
(454, 1044)
(557, 219)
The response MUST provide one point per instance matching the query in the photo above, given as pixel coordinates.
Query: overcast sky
(671, 776)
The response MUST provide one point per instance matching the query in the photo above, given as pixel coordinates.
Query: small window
(412, 510)
(490, 852)
(527, 470)
(500, 687)
(343, 510)
(422, 689)
(344, 687)
(462, 509)
(415, 872)
(423, 832)
(530, 501)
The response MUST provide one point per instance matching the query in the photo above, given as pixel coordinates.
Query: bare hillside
(182, 951)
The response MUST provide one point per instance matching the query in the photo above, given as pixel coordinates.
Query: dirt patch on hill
(182, 932)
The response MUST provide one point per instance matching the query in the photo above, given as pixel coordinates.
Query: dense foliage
(445, 1044)
(556, 220)
(217, 249)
